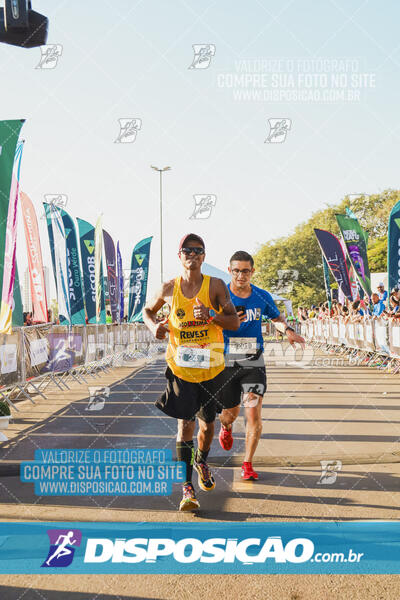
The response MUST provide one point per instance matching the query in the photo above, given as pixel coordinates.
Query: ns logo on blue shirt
(253, 314)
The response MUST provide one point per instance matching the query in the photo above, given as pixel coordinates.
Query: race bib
(193, 358)
(242, 345)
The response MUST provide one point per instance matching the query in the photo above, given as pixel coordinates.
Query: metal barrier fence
(32, 358)
(367, 339)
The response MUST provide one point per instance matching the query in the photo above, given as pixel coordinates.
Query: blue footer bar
(155, 548)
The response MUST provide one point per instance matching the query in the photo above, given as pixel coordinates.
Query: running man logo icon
(353, 197)
(203, 54)
(97, 399)
(203, 205)
(61, 551)
(50, 53)
(61, 355)
(55, 201)
(253, 388)
(128, 129)
(330, 469)
(278, 129)
(286, 279)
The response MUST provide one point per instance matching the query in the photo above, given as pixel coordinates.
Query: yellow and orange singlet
(195, 348)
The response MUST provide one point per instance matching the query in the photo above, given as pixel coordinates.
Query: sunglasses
(195, 250)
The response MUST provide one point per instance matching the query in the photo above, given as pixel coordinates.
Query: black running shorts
(186, 400)
(241, 378)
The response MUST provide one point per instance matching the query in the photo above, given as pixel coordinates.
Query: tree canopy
(300, 251)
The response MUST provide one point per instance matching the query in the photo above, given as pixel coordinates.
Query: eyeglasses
(195, 250)
(243, 271)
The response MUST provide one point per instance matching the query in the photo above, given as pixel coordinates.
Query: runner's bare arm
(281, 325)
(163, 296)
(220, 298)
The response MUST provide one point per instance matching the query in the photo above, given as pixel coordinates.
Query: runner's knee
(185, 430)
(253, 418)
(228, 415)
(206, 427)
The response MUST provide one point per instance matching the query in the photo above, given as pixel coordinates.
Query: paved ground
(313, 411)
(189, 587)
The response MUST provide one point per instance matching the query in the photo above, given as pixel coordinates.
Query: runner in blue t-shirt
(244, 373)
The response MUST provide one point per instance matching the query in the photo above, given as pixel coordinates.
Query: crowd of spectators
(379, 305)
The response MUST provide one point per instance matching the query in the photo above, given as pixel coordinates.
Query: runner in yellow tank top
(200, 307)
(196, 347)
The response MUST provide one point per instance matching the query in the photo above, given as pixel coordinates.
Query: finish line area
(329, 448)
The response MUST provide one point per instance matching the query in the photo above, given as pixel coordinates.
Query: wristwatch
(211, 315)
(291, 329)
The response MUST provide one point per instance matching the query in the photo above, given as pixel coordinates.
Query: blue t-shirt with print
(383, 295)
(378, 309)
(259, 303)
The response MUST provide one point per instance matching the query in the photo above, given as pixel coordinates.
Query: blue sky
(131, 60)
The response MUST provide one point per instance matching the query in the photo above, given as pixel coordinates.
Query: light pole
(161, 242)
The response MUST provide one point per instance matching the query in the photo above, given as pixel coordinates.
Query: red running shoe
(225, 438)
(248, 473)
